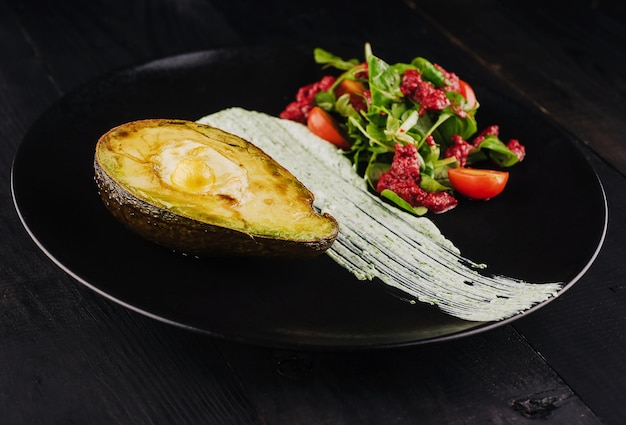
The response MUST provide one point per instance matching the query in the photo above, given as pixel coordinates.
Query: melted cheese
(197, 169)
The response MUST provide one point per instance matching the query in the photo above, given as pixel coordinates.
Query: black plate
(548, 225)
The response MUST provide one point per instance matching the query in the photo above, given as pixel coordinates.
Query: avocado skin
(193, 237)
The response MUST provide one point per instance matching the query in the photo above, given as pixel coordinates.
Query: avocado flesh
(197, 189)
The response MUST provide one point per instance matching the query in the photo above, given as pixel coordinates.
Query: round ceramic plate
(548, 225)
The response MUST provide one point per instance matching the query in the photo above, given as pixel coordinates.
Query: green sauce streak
(377, 240)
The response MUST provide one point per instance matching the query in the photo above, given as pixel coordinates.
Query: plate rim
(480, 327)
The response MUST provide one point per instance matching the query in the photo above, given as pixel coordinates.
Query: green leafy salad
(410, 130)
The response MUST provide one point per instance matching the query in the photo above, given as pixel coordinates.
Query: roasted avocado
(201, 191)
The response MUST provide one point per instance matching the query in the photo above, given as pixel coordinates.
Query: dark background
(70, 356)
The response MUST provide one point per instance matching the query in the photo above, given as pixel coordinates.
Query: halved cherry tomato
(352, 87)
(468, 93)
(476, 183)
(322, 124)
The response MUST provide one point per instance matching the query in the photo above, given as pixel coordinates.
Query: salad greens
(396, 105)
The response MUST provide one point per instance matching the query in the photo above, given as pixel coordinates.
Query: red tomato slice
(351, 87)
(323, 125)
(468, 93)
(478, 184)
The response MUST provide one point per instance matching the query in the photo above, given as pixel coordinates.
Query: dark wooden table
(70, 356)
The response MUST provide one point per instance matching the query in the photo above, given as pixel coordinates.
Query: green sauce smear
(378, 240)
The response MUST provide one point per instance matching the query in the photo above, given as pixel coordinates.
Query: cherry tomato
(468, 93)
(351, 87)
(323, 125)
(478, 184)
(354, 89)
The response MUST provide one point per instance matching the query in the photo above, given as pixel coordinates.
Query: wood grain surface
(70, 356)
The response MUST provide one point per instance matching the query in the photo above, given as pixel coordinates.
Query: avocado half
(202, 191)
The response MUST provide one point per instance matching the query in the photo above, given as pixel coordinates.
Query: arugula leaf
(398, 129)
(430, 184)
(325, 100)
(429, 72)
(374, 170)
(498, 152)
(458, 99)
(384, 82)
(464, 127)
(393, 197)
(431, 155)
(329, 60)
(344, 107)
